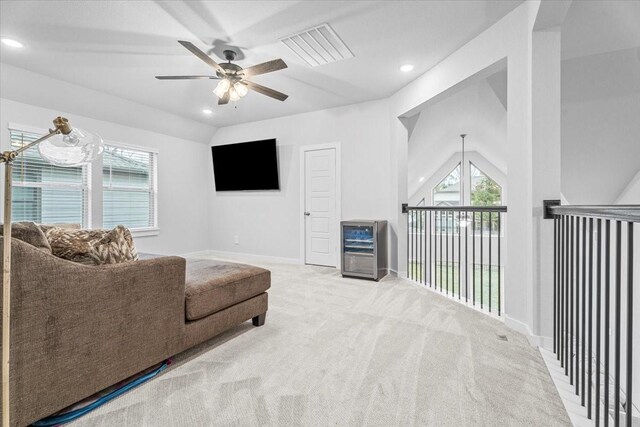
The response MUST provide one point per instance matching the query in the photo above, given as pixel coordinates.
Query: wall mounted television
(246, 166)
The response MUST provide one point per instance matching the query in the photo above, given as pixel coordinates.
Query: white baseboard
(240, 256)
(577, 413)
(539, 341)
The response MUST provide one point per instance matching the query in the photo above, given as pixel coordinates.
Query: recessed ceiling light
(406, 68)
(12, 43)
(207, 111)
(421, 179)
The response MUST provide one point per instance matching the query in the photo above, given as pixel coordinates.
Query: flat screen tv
(247, 166)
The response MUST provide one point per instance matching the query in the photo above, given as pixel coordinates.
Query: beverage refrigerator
(364, 248)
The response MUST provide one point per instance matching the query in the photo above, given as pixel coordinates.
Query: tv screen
(246, 166)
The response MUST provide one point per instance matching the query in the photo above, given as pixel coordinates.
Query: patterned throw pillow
(92, 247)
(115, 247)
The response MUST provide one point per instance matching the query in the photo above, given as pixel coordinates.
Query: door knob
(307, 213)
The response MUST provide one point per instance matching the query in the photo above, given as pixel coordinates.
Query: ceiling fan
(233, 83)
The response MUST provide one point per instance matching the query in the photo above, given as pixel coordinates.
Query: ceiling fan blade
(265, 90)
(265, 67)
(224, 99)
(200, 54)
(184, 77)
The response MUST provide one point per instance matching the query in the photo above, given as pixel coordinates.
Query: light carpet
(348, 352)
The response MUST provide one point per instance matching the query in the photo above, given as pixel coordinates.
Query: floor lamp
(63, 146)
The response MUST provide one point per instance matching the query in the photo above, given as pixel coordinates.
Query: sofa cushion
(213, 285)
(92, 247)
(30, 233)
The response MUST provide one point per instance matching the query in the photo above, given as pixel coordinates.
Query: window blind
(129, 187)
(44, 193)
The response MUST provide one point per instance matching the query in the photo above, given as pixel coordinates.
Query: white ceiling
(596, 27)
(118, 47)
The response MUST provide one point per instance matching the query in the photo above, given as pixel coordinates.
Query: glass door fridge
(364, 248)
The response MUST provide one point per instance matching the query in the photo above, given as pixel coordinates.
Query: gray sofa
(78, 329)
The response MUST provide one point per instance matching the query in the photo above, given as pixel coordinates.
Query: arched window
(447, 192)
(484, 190)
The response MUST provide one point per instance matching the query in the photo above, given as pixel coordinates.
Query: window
(484, 190)
(44, 193)
(129, 187)
(447, 192)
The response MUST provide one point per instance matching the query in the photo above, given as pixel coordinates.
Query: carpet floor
(348, 352)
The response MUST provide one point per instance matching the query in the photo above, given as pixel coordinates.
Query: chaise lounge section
(78, 329)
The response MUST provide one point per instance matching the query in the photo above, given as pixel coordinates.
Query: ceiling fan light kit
(233, 83)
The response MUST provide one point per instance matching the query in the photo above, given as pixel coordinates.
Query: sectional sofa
(77, 329)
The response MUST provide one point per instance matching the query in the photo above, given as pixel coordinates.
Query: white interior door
(321, 239)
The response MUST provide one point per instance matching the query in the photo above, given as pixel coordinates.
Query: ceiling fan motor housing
(230, 69)
(229, 55)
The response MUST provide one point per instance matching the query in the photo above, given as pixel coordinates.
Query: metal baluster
(607, 302)
(423, 259)
(577, 306)
(430, 252)
(490, 238)
(435, 250)
(629, 405)
(567, 294)
(562, 282)
(555, 284)
(421, 277)
(616, 406)
(447, 253)
(411, 238)
(481, 260)
(441, 251)
(590, 352)
(408, 240)
(473, 257)
(466, 256)
(572, 297)
(459, 255)
(598, 317)
(584, 303)
(499, 262)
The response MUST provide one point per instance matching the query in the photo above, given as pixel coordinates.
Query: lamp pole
(61, 127)
(462, 172)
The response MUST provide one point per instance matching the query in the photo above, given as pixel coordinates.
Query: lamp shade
(241, 89)
(233, 95)
(76, 148)
(222, 88)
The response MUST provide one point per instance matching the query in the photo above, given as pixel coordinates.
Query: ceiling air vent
(318, 45)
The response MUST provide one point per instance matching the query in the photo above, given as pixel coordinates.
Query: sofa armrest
(77, 329)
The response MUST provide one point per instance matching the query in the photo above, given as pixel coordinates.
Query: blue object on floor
(56, 420)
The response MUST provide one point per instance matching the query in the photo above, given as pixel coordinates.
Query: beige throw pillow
(92, 247)
(28, 232)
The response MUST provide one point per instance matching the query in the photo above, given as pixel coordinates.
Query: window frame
(87, 173)
(154, 229)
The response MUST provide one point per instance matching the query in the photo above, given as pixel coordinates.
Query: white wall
(509, 38)
(475, 111)
(184, 182)
(268, 223)
(600, 126)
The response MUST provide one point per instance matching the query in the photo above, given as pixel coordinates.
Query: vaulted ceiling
(117, 47)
